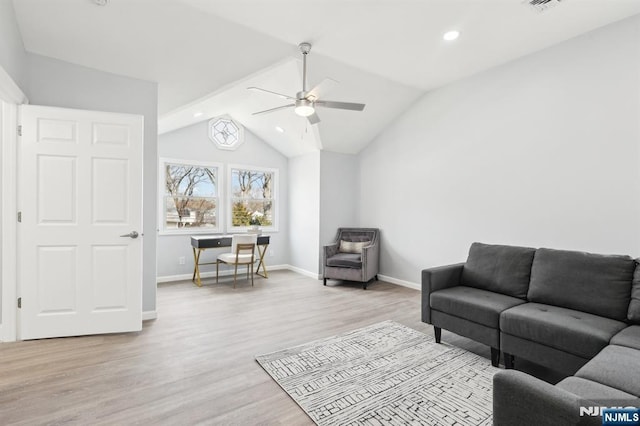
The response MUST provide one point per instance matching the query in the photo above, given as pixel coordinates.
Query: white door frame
(10, 97)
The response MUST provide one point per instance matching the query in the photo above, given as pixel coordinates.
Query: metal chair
(242, 253)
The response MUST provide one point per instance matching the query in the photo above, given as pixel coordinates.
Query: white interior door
(80, 190)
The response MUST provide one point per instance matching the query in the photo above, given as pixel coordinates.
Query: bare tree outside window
(191, 196)
(252, 197)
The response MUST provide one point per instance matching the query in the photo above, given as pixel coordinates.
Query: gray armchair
(354, 256)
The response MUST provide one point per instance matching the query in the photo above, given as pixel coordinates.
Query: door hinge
(19, 216)
(19, 302)
(20, 130)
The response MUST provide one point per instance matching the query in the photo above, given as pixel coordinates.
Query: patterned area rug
(385, 374)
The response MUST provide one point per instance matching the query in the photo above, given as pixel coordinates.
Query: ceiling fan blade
(271, 92)
(313, 118)
(273, 109)
(322, 88)
(340, 105)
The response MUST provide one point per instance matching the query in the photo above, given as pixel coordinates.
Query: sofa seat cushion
(588, 389)
(615, 366)
(595, 283)
(497, 268)
(575, 332)
(480, 306)
(345, 260)
(629, 337)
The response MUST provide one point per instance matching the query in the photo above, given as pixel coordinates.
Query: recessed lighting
(451, 35)
(101, 2)
(280, 129)
(198, 114)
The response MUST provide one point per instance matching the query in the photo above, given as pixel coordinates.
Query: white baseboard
(304, 272)
(228, 273)
(402, 283)
(316, 276)
(149, 315)
(183, 277)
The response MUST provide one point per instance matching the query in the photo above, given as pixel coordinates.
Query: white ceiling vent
(542, 5)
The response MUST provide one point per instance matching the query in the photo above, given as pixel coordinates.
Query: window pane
(252, 212)
(251, 184)
(185, 180)
(190, 212)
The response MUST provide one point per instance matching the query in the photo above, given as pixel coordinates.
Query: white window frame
(162, 230)
(276, 200)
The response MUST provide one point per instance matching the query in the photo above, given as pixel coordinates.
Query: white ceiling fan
(306, 101)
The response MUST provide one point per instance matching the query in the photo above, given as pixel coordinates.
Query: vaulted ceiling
(385, 53)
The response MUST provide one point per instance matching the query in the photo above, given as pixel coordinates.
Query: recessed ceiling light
(101, 2)
(280, 129)
(198, 114)
(451, 35)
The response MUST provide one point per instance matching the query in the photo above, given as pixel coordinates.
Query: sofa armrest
(437, 278)
(521, 399)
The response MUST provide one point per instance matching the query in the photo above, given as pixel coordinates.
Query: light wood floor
(195, 364)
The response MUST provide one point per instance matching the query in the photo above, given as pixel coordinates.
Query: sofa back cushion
(593, 283)
(634, 306)
(501, 269)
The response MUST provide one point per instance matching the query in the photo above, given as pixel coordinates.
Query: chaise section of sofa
(610, 379)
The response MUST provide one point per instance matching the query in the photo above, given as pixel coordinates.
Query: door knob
(132, 234)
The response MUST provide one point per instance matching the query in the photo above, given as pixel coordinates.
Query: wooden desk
(200, 243)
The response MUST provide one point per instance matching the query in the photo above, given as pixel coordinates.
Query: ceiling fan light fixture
(304, 108)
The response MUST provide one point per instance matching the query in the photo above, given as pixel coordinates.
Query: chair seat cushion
(615, 366)
(629, 337)
(231, 258)
(473, 304)
(575, 332)
(591, 390)
(345, 260)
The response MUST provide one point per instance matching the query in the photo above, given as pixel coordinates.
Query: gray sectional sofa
(574, 312)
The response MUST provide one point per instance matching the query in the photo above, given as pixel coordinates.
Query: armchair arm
(370, 261)
(436, 279)
(520, 399)
(329, 250)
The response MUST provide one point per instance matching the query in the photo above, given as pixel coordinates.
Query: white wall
(542, 151)
(12, 54)
(12, 61)
(339, 189)
(61, 84)
(192, 143)
(304, 213)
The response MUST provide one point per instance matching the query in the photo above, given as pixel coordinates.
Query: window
(226, 133)
(253, 197)
(190, 198)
